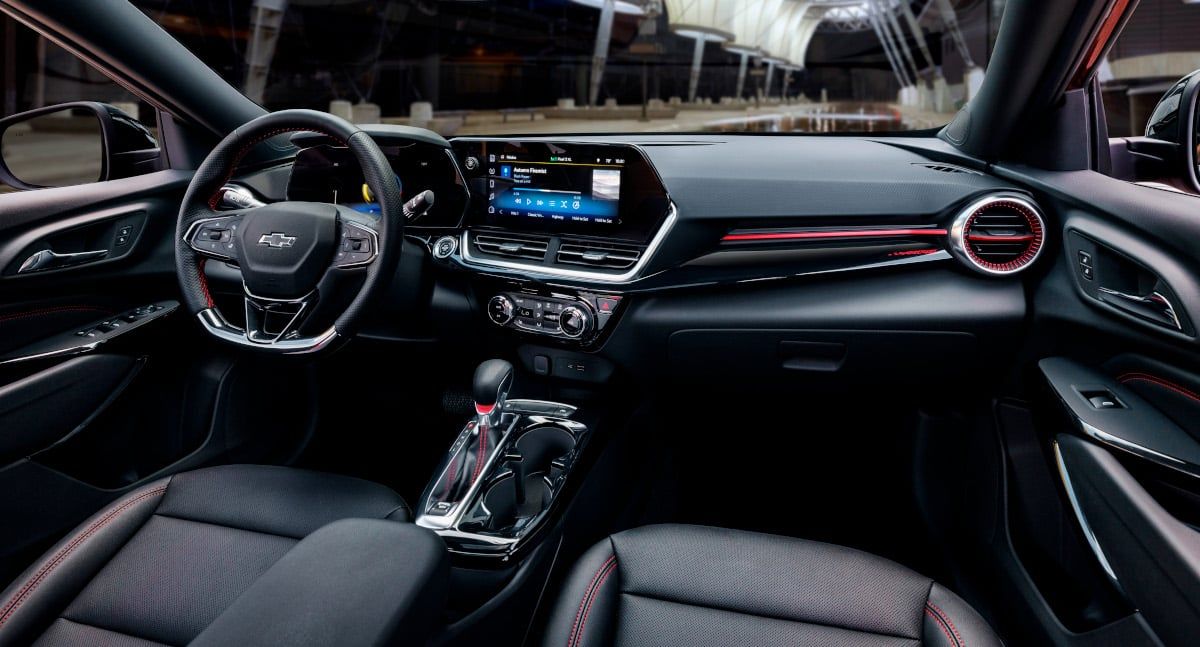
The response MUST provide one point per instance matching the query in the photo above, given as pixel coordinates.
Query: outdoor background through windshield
(545, 66)
(562, 66)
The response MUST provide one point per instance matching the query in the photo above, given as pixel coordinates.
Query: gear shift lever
(479, 441)
(492, 381)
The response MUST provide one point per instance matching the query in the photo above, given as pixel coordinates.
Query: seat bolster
(40, 594)
(951, 622)
(587, 607)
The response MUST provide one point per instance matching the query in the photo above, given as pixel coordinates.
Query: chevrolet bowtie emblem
(276, 239)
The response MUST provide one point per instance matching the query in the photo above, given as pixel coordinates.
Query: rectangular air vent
(599, 255)
(522, 246)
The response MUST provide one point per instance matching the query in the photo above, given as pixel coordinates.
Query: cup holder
(541, 445)
(538, 448)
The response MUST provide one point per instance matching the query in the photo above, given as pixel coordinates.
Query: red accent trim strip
(54, 310)
(911, 252)
(484, 410)
(1152, 379)
(832, 235)
(987, 238)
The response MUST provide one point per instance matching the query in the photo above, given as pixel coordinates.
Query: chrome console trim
(527, 269)
(485, 545)
(1088, 535)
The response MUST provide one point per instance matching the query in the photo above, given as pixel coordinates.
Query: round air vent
(999, 234)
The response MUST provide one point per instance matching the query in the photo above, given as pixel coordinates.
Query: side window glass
(63, 122)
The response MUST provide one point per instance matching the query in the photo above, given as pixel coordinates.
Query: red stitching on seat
(32, 584)
(587, 595)
(944, 621)
(1170, 386)
(54, 310)
(595, 592)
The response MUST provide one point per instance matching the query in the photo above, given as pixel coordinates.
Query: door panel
(1115, 332)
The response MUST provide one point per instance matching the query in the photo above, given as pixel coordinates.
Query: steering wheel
(301, 262)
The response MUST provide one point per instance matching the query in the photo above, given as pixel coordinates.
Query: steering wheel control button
(445, 247)
(500, 310)
(213, 237)
(358, 245)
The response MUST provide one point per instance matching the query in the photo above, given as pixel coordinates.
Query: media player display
(559, 188)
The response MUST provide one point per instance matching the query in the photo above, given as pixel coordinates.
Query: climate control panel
(578, 318)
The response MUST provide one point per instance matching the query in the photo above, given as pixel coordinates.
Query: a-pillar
(266, 19)
(697, 62)
(600, 54)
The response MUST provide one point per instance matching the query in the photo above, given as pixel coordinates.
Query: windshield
(492, 67)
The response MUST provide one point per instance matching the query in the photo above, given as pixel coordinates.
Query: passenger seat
(694, 586)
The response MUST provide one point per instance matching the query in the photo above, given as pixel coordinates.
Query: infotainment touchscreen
(557, 187)
(564, 186)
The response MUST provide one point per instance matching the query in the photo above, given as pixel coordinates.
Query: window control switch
(1102, 399)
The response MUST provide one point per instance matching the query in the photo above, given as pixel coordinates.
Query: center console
(504, 472)
(552, 231)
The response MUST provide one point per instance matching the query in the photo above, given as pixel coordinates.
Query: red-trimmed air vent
(1000, 234)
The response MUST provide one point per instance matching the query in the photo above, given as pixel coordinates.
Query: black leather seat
(694, 586)
(162, 563)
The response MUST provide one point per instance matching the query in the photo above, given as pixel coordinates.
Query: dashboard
(608, 250)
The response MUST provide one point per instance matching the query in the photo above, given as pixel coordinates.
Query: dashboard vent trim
(1000, 234)
(608, 256)
(947, 168)
(508, 245)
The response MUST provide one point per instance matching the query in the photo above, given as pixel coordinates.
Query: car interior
(279, 378)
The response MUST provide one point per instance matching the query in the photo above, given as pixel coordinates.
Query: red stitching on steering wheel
(216, 197)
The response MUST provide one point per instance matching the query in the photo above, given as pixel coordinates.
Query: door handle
(1154, 306)
(48, 259)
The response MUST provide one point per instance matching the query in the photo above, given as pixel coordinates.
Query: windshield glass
(491, 67)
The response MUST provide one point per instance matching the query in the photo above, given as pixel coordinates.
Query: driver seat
(159, 565)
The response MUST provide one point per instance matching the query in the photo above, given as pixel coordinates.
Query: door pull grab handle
(1154, 306)
(51, 260)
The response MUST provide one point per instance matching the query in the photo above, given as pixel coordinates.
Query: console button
(445, 247)
(607, 304)
(574, 322)
(500, 310)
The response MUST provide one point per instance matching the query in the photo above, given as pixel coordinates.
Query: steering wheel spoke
(216, 237)
(269, 321)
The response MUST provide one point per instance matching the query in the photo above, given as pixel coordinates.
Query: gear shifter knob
(492, 381)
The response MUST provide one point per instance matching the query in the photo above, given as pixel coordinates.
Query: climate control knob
(574, 321)
(500, 310)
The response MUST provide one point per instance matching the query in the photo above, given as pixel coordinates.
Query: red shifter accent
(484, 410)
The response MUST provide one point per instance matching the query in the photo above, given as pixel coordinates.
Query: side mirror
(73, 143)
(1175, 120)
